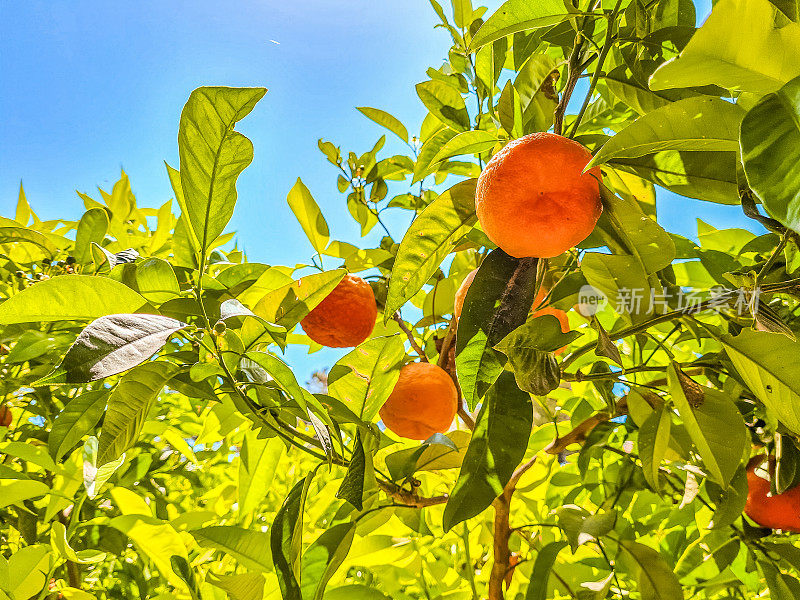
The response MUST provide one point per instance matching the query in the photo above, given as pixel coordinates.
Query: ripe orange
(345, 317)
(776, 512)
(5, 416)
(533, 199)
(461, 293)
(423, 402)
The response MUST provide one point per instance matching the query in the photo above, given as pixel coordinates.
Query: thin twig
(410, 335)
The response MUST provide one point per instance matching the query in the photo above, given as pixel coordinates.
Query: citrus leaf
(468, 142)
(243, 586)
(156, 281)
(769, 363)
(79, 417)
(73, 297)
(42, 246)
(110, 345)
(445, 102)
(656, 579)
(429, 239)
(514, 16)
(309, 216)
(323, 557)
(498, 445)
(91, 228)
(286, 536)
(364, 377)
(129, 405)
(715, 425)
(384, 119)
(258, 460)
(545, 559)
(212, 155)
(250, 548)
(352, 487)
(497, 302)
(654, 437)
(287, 305)
(740, 47)
(696, 124)
(770, 136)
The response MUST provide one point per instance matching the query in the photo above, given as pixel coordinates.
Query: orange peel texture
(346, 316)
(532, 198)
(423, 402)
(776, 512)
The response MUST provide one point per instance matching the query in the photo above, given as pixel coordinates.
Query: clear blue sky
(90, 87)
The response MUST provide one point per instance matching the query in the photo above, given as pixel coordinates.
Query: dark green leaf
(286, 536)
(545, 559)
(78, 418)
(498, 445)
(323, 557)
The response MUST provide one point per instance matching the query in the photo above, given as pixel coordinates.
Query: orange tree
(156, 445)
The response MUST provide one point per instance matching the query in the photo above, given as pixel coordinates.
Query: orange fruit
(776, 512)
(423, 402)
(5, 416)
(461, 293)
(345, 317)
(533, 199)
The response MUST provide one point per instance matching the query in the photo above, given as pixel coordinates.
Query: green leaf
(429, 239)
(634, 232)
(732, 501)
(288, 305)
(709, 176)
(110, 345)
(519, 15)
(444, 101)
(352, 487)
(59, 541)
(696, 124)
(364, 377)
(250, 548)
(529, 349)
(770, 136)
(356, 592)
(622, 280)
(129, 405)
(769, 363)
(258, 460)
(156, 280)
(384, 119)
(580, 526)
(497, 302)
(156, 540)
(212, 155)
(740, 47)
(38, 245)
(242, 586)
(74, 297)
(323, 557)
(429, 456)
(468, 142)
(27, 571)
(91, 228)
(284, 377)
(545, 559)
(498, 445)
(286, 536)
(656, 579)
(715, 425)
(654, 437)
(79, 417)
(14, 491)
(309, 216)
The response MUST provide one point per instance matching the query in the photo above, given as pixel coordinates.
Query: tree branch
(409, 499)
(410, 335)
(502, 532)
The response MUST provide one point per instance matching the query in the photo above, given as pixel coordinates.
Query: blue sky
(91, 87)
